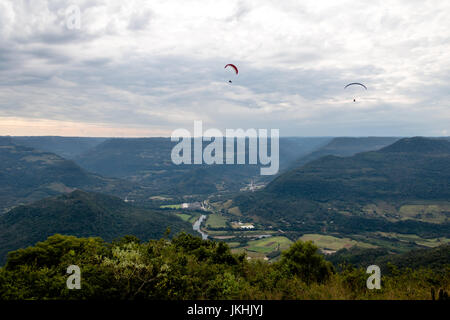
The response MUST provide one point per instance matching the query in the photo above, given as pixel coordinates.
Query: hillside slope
(365, 192)
(346, 146)
(414, 168)
(82, 214)
(434, 258)
(27, 175)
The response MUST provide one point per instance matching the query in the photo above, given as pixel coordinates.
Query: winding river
(197, 225)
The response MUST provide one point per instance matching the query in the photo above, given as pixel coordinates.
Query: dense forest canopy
(187, 267)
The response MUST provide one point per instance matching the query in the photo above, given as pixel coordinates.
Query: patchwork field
(240, 233)
(327, 242)
(189, 217)
(216, 221)
(233, 244)
(269, 244)
(412, 238)
(184, 216)
(437, 213)
(248, 240)
(431, 213)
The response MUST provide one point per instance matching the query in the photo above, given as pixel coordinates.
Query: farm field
(268, 245)
(431, 243)
(241, 233)
(190, 217)
(216, 221)
(184, 216)
(328, 242)
(436, 213)
(233, 244)
(250, 254)
(432, 212)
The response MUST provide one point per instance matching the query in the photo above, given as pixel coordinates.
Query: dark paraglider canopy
(355, 83)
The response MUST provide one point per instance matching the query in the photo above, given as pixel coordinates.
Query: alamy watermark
(73, 17)
(374, 281)
(251, 147)
(74, 280)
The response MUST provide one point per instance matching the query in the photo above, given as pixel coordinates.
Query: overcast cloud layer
(145, 68)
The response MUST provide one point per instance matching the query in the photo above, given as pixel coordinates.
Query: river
(197, 225)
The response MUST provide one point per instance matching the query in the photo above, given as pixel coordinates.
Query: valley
(222, 222)
(341, 193)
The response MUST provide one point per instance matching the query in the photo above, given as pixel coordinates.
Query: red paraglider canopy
(233, 66)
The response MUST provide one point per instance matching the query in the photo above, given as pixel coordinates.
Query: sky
(140, 68)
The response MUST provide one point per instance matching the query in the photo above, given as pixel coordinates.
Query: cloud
(140, 20)
(158, 65)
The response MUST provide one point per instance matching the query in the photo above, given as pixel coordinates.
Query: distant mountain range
(66, 147)
(137, 168)
(142, 168)
(82, 214)
(147, 161)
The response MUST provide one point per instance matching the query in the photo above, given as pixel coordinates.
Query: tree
(303, 260)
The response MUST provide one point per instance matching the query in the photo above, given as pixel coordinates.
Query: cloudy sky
(146, 68)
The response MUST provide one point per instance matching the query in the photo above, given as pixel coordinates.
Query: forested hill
(28, 174)
(433, 258)
(413, 168)
(361, 193)
(82, 214)
(419, 145)
(189, 268)
(345, 147)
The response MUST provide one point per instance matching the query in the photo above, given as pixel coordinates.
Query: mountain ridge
(366, 188)
(27, 175)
